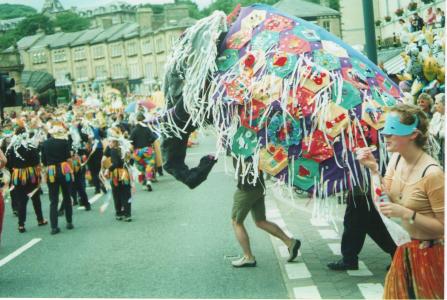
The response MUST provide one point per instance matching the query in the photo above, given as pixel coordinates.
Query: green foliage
(31, 24)
(11, 11)
(334, 4)
(71, 22)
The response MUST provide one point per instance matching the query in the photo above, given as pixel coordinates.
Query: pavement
(180, 245)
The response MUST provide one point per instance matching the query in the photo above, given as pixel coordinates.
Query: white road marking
(95, 198)
(19, 251)
(297, 271)
(328, 234)
(306, 292)
(371, 290)
(318, 222)
(362, 271)
(335, 248)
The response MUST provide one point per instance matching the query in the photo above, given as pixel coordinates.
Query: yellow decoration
(430, 68)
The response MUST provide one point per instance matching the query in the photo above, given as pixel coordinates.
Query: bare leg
(275, 230)
(243, 239)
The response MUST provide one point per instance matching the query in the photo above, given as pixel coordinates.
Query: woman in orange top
(414, 182)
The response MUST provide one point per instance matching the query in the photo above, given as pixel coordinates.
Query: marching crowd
(67, 146)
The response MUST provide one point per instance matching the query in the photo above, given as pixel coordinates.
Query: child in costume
(144, 154)
(116, 160)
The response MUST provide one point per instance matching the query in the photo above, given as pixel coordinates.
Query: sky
(37, 4)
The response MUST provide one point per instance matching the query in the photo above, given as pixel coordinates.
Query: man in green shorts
(249, 197)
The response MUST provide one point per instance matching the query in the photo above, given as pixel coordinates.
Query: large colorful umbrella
(286, 93)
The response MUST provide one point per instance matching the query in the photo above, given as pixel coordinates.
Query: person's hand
(392, 210)
(367, 159)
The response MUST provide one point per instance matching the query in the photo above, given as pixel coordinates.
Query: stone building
(322, 15)
(129, 55)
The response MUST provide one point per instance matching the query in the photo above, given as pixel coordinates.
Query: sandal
(42, 223)
(22, 229)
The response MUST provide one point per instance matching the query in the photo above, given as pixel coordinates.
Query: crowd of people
(68, 146)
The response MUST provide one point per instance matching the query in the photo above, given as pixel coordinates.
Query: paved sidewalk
(308, 277)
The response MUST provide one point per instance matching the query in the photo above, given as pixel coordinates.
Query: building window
(327, 25)
(39, 57)
(160, 45)
(98, 51)
(116, 50)
(81, 73)
(146, 46)
(101, 72)
(134, 71)
(131, 49)
(60, 75)
(149, 71)
(59, 55)
(174, 39)
(161, 69)
(117, 71)
(79, 53)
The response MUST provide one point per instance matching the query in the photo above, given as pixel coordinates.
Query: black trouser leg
(377, 231)
(362, 218)
(14, 203)
(354, 232)
(117, 200)
(37, 204)
(22, 200)
(94, 166)
(53, 191)
(79, 186)
(125, 195)
(66, 200)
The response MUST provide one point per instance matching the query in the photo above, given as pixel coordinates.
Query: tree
(31, 24)
(71, 22)
(11, 11)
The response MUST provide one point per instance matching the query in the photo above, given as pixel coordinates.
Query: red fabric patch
(280, 61)
(249, 61)
(303, 171)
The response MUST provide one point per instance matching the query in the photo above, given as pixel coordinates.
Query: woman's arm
(3, 160)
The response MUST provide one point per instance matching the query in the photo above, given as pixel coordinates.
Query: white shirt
(436, 127)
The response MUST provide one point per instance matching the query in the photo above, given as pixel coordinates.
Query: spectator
(430, 17)
(440, 18)
(414, 183)
(416, 23)
(405, 31)
(437, 124)
(425, 102)
(2, 203)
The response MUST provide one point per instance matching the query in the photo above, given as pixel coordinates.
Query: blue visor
(393, 126)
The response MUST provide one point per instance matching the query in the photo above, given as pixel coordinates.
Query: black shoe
(42, 223)
(22, 229)
(160, 171)
(70, 226)
(128, 219)
(119, 218)
(55, 231)
(149, 187)
(293, 251)
(87, 208)
(342, 266)
(75, 203)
